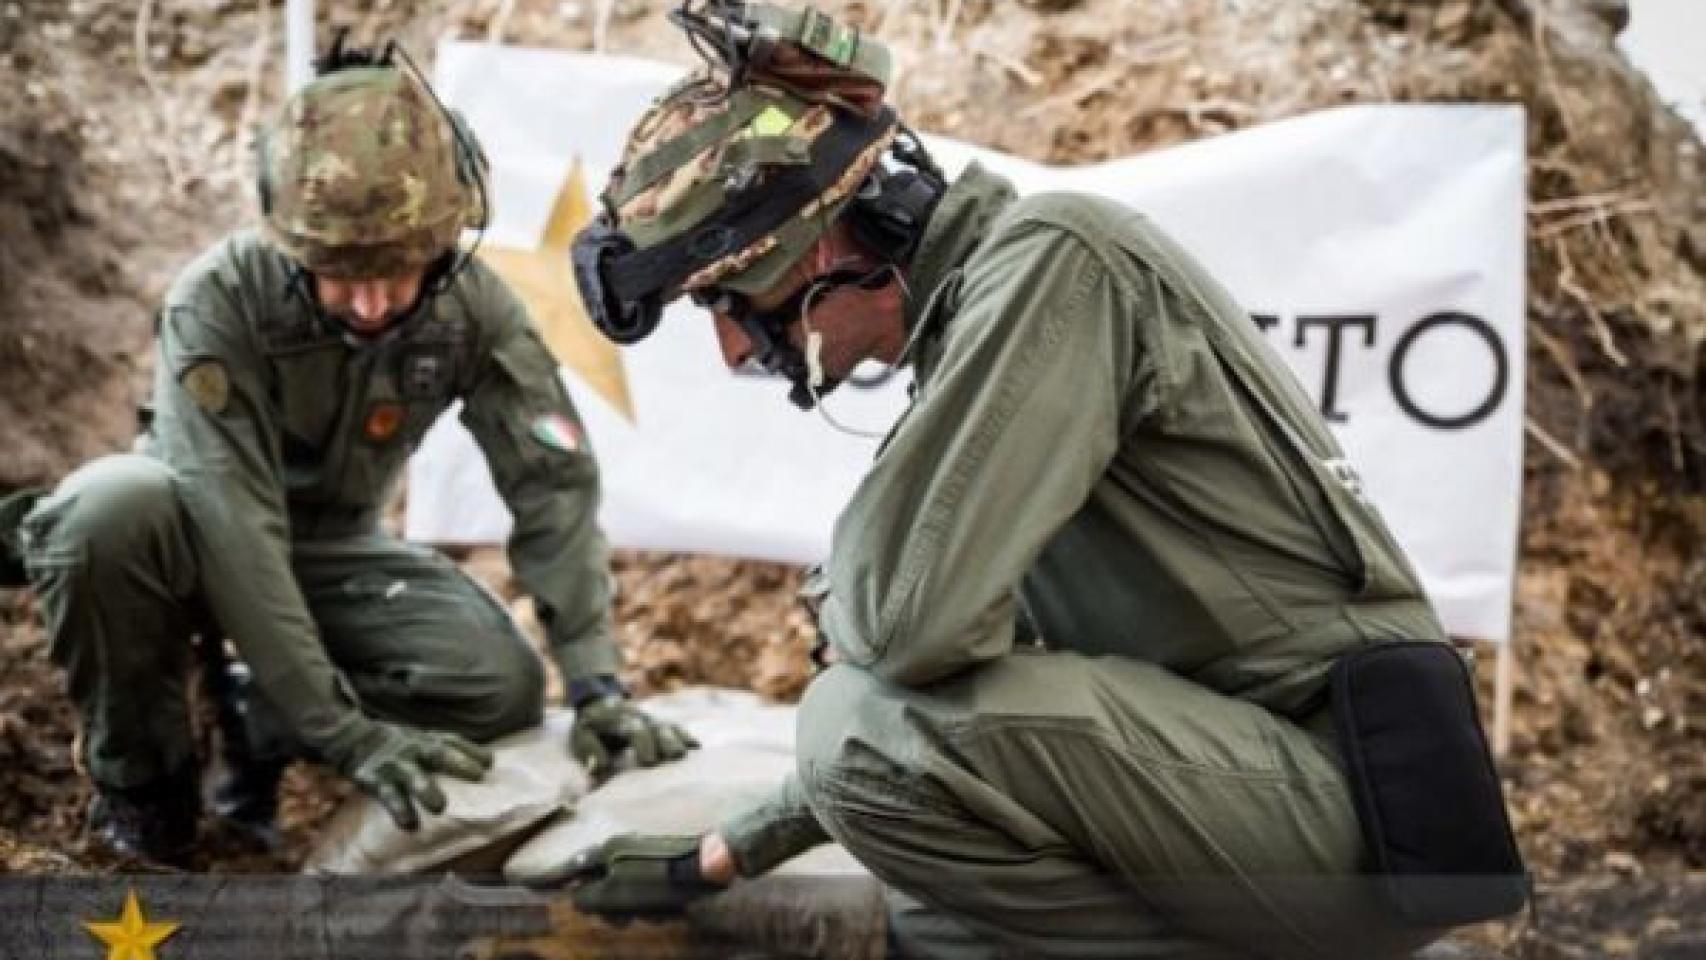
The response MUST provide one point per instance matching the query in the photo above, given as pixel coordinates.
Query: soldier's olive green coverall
(1084, 604)
(255, 506)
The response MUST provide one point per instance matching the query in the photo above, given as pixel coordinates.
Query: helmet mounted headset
(758, 56)
(316, 256)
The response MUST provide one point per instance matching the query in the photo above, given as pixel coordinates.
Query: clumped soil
(124, 148)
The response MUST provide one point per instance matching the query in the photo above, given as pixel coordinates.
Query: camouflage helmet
(736, 171)
(365, 174)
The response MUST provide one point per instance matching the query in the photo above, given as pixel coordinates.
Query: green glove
(635, 877)
(394, 764)
(604, 727)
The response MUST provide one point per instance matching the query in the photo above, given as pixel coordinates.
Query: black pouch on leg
(1427, 795)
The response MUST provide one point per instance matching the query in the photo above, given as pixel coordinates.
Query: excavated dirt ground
(123, 148)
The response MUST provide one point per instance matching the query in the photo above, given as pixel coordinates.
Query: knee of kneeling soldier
(503, 694)
(106, 508)
(852, 734)
(519, 700)
(834, 710)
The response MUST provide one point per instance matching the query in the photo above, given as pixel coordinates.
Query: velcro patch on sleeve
(557, 432)
(208, 385)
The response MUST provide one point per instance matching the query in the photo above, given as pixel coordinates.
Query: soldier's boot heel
(154, 823)
(246, 804)
(13, 506)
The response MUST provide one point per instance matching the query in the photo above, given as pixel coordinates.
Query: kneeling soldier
(1086, 600)
(297, 369)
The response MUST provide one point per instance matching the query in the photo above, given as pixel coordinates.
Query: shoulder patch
(207, 383)
(557, 432)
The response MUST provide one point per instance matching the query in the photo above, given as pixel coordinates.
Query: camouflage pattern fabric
(698, 145)
(360, 176)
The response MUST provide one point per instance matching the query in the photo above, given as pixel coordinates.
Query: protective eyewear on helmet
(625, 286)
(622, 320)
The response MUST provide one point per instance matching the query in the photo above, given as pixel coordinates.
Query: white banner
(1381, 249)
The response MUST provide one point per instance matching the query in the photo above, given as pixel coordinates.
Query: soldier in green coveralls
(297, 369)
(1085, 601)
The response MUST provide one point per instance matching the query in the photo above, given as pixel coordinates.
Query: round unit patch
(208, 385)
(383, 419)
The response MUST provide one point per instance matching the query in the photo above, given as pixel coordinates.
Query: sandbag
(820, 904)
(746, 749)
(532, 779)
(534, 809)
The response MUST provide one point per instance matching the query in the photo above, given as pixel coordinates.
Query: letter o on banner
(1501, 370)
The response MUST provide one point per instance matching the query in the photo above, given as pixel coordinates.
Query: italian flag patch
(557, 432)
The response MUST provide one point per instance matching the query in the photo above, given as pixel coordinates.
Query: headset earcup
(472, 169)
(874, 215)
(889, 213)
(863, 212)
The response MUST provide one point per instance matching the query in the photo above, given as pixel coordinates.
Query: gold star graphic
(544, 279)
(131, 936)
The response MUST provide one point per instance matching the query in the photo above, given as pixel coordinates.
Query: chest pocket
(392, 398)
(426, 382)
(307, 371)
(309, 391)
(431, 368)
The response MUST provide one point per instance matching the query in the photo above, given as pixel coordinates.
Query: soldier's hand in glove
(635, 877)
(608, 724)
(395, 765)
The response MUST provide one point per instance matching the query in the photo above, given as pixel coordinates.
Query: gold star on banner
(544, 279)
(131, 936)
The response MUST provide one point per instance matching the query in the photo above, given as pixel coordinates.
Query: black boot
(154, 822)
(246, 803)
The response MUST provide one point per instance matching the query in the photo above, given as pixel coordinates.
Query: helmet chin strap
(432, 284)
(356, 340)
